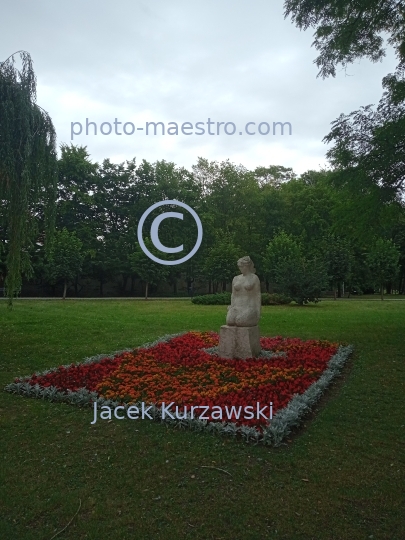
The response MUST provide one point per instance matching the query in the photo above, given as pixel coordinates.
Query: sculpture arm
(233, 293)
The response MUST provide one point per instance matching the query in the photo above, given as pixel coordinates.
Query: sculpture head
(246, 266)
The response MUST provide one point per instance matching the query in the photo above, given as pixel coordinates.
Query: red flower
(180, 371)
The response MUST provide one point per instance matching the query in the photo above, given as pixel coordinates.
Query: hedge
(224, 299)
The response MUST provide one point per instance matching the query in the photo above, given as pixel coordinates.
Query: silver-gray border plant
(273, 434)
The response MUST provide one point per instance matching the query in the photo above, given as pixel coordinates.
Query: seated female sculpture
(246, 296)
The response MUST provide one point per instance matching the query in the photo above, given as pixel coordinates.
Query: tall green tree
(65, 258)
(308, 203)
(27, 163)
(299, 277)
(150, 272)
(383, 262)
(338, 256)
(220, 264)
(282, 249)
(77, 184)
(399, 239)
(368, 144)
(233, 206)
(368, 149)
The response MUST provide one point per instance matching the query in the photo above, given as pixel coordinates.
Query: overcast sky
(185, 61)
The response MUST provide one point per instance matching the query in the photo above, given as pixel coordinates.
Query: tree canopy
(350, 29)
(307, 219)
(368, 144)
(27, 165)
(65, 258)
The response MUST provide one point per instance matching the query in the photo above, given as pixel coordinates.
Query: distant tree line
(305, 234)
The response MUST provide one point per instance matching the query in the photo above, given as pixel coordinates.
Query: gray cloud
(230, 61)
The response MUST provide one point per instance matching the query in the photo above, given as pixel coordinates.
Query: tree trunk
(339, 289)
(209, 287)
(64, 289)
(76, 285)
(146, 290)
(124, 283)
(382, 291)
(101, 282)
(132, 285)
(175, 286)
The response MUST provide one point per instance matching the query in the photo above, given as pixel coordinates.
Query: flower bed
(184, 370)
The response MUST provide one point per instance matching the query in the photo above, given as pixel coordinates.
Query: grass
(340, 477)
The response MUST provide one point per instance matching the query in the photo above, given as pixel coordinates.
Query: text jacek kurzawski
(200, 412)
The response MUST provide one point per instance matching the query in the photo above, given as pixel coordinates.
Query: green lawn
(340, 477)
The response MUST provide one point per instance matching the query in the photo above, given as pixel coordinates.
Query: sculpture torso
(245, 301)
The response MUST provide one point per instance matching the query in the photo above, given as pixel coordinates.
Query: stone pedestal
(239, 342)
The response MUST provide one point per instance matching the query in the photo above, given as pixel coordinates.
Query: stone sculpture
(240, 337)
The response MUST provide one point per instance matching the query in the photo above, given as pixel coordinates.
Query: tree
(339, 259)
(308, 202)
(302, 281)
(300, 278)
(368, 149)
(347, 30)
(399, 239)
(27, 163)
(233, 206)
(220, 264)
(77, 184)
(369, 145)
(65, 258)
(274, 175)
(283, 249)
(383, 261)
(149, 271)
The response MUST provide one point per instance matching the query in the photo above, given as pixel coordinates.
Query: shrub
(275, 299)
(219, 299)
(224, 299)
